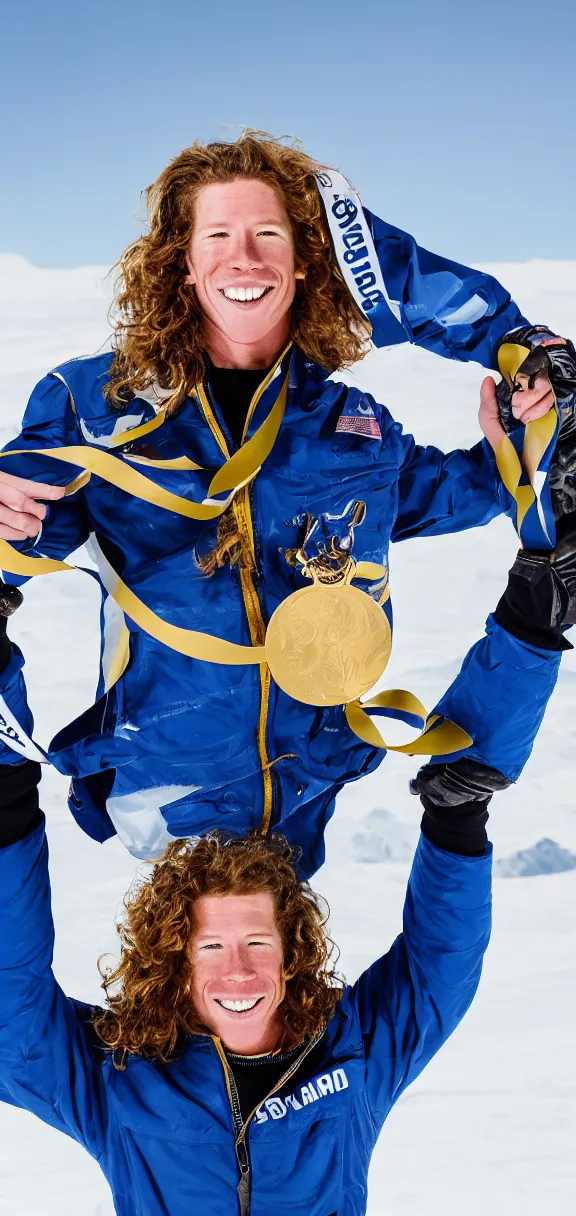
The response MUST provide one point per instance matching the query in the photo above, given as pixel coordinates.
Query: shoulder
(85, 378)
(71, 388)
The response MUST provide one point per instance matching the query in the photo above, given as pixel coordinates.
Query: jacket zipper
(243, 516)
(240, 1128)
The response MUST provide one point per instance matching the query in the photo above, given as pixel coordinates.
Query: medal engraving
(327, 645)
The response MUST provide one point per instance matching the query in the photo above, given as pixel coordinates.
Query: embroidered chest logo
(321, 1087)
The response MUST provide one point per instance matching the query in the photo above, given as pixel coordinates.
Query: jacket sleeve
(500, 696)
(49, 1063)
(410, 1001)
(14, 711)
(442, 492)
(49, 422)
(449, 309)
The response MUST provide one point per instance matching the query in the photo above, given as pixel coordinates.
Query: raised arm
(445, 307)
(409, 1002)
(466, 314)
(49, 1061)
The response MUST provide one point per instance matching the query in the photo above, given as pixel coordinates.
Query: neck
(245, 356)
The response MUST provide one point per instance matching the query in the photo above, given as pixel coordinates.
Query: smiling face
(241, 262)
(237, 970)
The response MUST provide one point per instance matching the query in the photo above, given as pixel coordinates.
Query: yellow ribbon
(241, 468)
(537, 437)
(190, 642)
(433, 740)
(511, 356)
(138, 431)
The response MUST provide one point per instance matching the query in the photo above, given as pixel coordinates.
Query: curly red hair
(149, 1006)
(158, 324)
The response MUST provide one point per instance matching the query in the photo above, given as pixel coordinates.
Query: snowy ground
(491, 1124)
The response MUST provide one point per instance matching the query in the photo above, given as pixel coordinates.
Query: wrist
(535, 604)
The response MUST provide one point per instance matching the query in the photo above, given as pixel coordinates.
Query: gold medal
(328, 644)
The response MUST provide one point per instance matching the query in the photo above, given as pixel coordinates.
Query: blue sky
(454, 121)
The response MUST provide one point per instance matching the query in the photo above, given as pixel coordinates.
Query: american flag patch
(354, 424)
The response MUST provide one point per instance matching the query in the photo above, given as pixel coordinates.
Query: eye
(212, 946)
(268, 232)
(215, 235)
(257, 943)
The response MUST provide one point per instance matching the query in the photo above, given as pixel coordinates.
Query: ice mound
(383, 837)
(544, 857)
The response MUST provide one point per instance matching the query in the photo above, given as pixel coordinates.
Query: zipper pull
(243, 1188)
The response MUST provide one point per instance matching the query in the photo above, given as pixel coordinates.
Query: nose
(240, 965)
(244, 252)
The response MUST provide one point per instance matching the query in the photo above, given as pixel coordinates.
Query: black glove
(555, 357)
(455, 798)
(539, 602)
(547, 354)
(10, 599)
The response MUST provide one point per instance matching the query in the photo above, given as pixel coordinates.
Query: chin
(245, 1039)
(248, 333)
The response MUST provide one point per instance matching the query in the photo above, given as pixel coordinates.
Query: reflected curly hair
(150, 1012)
(158, 334)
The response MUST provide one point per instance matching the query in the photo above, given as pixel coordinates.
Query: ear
(190, 278)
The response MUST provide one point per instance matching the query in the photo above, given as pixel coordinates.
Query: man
(233, 1073)
(190, 730)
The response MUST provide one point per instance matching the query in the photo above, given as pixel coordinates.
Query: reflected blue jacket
(164, 1135)
(183, 745)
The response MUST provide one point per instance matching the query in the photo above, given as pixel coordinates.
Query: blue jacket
(164, 1135)
(214, 745)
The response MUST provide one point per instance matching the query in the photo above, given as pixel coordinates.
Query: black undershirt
(256, 1076)
(233, 389)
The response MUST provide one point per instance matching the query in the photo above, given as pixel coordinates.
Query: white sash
(353, 244)
(13, 736)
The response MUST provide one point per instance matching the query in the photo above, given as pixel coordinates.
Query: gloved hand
(455, 798)
(10, 599)
(547, 357)
(539, 602)
(528, 353)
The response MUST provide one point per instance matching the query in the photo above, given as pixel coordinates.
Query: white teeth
(243, 293)
(239, 1006)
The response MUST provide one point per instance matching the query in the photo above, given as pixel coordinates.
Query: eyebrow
(205, 936)
(224, 224)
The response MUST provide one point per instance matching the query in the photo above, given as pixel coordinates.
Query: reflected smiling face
(237, 979)
(241, 263)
